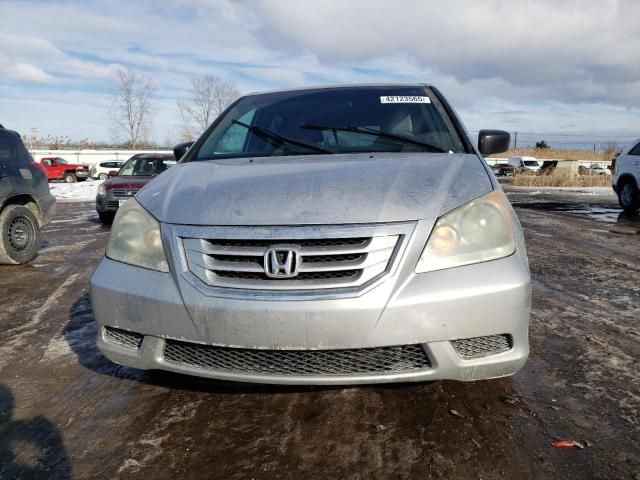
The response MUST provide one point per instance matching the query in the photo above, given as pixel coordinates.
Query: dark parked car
(26, 204)
(503, 170)
(134, 175)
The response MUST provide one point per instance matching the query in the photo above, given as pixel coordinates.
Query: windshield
(146, 166)
(332, 120)
(61, 160)
(531, 163)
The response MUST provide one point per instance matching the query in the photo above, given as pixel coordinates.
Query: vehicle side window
(7, 147)
(635, 150)
(128, 168)
(48, 163)
(234, 138)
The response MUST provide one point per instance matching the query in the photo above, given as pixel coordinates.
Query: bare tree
(133, 103)
(611, 151)
(209, 96)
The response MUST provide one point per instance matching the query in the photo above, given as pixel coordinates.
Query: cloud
(19, 55)
(29, 73)
(592, 43)
(548, 64)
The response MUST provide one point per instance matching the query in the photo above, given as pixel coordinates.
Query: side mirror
(112, 173)
(493, 141)
(180, 149)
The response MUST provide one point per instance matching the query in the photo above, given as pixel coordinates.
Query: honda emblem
(281, 262)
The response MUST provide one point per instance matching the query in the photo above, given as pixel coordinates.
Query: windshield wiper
(376, 133)
(280, 140)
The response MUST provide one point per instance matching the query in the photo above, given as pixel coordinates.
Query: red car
(59, 169)
(133, 175)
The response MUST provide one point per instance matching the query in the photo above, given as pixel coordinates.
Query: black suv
(26, 204)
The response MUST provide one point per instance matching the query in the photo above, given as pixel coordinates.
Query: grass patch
(556, 179)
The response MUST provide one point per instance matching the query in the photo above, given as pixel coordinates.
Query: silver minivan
(335, 235)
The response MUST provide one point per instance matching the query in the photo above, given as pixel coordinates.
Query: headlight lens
(478, 231)
(102, 190)
(135, 238)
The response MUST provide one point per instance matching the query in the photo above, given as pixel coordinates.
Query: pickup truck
(59, 169)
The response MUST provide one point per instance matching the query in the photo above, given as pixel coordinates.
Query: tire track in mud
(19, 336)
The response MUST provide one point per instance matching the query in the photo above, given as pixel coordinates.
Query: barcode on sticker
(399, 99)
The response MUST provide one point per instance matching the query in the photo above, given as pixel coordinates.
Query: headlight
(478, 231)
(135, 238)
(102, 190)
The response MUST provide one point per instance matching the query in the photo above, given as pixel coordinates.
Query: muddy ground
(67, 412)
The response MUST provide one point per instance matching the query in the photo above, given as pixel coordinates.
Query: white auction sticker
(407, 99)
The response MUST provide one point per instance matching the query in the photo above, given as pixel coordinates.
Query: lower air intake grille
(123, 337)
(482, 346)
(360, 361)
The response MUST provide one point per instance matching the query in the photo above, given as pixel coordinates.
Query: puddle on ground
(602, 212)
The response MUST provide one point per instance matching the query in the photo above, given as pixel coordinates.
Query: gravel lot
(66, 412)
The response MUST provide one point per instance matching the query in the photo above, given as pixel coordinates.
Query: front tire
(70, 178)
(628, 196)
(19, 235)
(103, 176)
(106, 218)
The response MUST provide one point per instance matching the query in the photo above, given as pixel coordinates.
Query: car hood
(126, 182)
(319, 189)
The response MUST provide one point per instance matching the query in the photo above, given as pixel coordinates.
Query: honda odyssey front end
(322, 236)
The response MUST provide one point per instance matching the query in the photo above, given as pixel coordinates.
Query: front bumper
(109, 203)
(106, 204)
(430, 310)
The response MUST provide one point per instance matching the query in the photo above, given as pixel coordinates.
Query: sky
(565, 71)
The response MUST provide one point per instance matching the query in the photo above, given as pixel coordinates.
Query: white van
(525, 163)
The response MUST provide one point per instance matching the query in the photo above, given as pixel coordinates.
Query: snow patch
(75, 192)
(149, 446)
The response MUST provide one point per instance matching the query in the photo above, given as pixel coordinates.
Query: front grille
(123, 338)
(126, 193)
(362, 361)
(324, 263)
(482, 346)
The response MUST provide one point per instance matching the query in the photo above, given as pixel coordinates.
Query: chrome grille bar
(118, 192)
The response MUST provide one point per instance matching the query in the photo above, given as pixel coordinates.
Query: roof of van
(353, 85)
